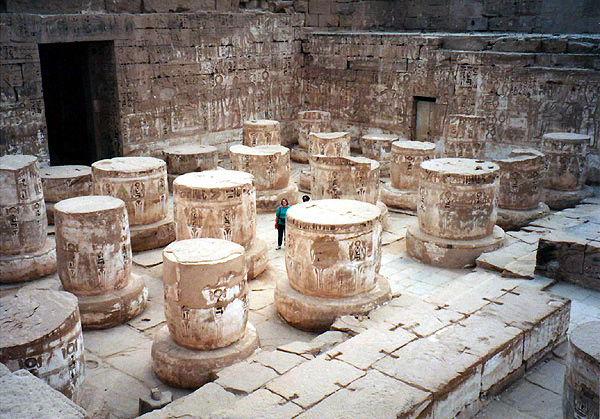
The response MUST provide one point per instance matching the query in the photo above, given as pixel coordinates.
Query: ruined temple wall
(181, 77)
(524, 85)
(530, 16)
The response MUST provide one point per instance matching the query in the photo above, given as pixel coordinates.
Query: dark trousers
(280, 234)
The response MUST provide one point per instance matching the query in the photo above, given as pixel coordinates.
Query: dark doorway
(81, 101)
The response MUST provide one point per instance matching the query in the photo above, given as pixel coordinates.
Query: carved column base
(109, 310)
(317, 314)
(447, 253)
(558, 200)
(187, 368)
(256, 258)
(299, 154)
(268, 201)
(304, 180)
(152, 236)
(515, 219)
(397, 199)
(30, 266)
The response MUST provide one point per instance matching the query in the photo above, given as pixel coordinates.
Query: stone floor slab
(312, 381)
(260, 404)
(245, 377)
(374, 396)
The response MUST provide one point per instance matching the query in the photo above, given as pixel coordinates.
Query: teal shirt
(281, 214)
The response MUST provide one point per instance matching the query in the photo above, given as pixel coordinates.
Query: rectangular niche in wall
(425, 118)
(81, 101)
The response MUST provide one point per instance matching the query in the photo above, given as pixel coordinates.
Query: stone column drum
(346, 178)
(464, 137)
(270, 166)
(309, 121)
(521, 191)
(260, 132)
(63, 182)
(141, 182)
(581, 395)
(94, 260)
(401, 193)
(206, 309)
(220, 204)
(333, 144)
(379, 148)
(333, 249)
(41, 333)
(458, 206)
(26, 252)
(566, 169)
(187, 158)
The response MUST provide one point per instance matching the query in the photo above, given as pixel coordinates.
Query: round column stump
(309, 121)
(566, 168)
(378, 147)
(347, 178)
(187, 158)
(26, 252)
(63, 182)
(270, 166)
(94, 260)
(41, 333)
(457, 211)
(333, 249)
(581, 395)
(332, 144)
(464, 137)
(401, 193)
(141, 182)
(220, 204)
(260, 132)
(521, 190)
(206, 310)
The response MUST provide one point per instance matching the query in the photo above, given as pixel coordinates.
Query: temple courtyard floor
(427, 301)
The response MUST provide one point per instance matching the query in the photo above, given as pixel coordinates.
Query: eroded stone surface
(22, 211)
(457, 211)
(581, 397)
(205, 292)
(41, 332)
(26, 397)
(95, 262)
(333, 247)
(565, 159)
(220, 204)
(270, 166)
(312, 121)
(405, 173)
(464, 136)
(63, 182)
(378, 147)
(186, 158)
(345, 178)
(189, 368)
(93, 245)
(260, 132)
(333, 144)
(141, 182)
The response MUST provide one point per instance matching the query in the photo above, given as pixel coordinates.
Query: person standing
(280, 216)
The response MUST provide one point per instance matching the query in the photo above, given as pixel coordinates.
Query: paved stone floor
(118, 359)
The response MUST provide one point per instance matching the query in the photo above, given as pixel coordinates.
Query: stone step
(439, 357)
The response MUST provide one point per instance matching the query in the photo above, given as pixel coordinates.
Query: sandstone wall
(180, 76)
(524, 85)
(539, 16)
